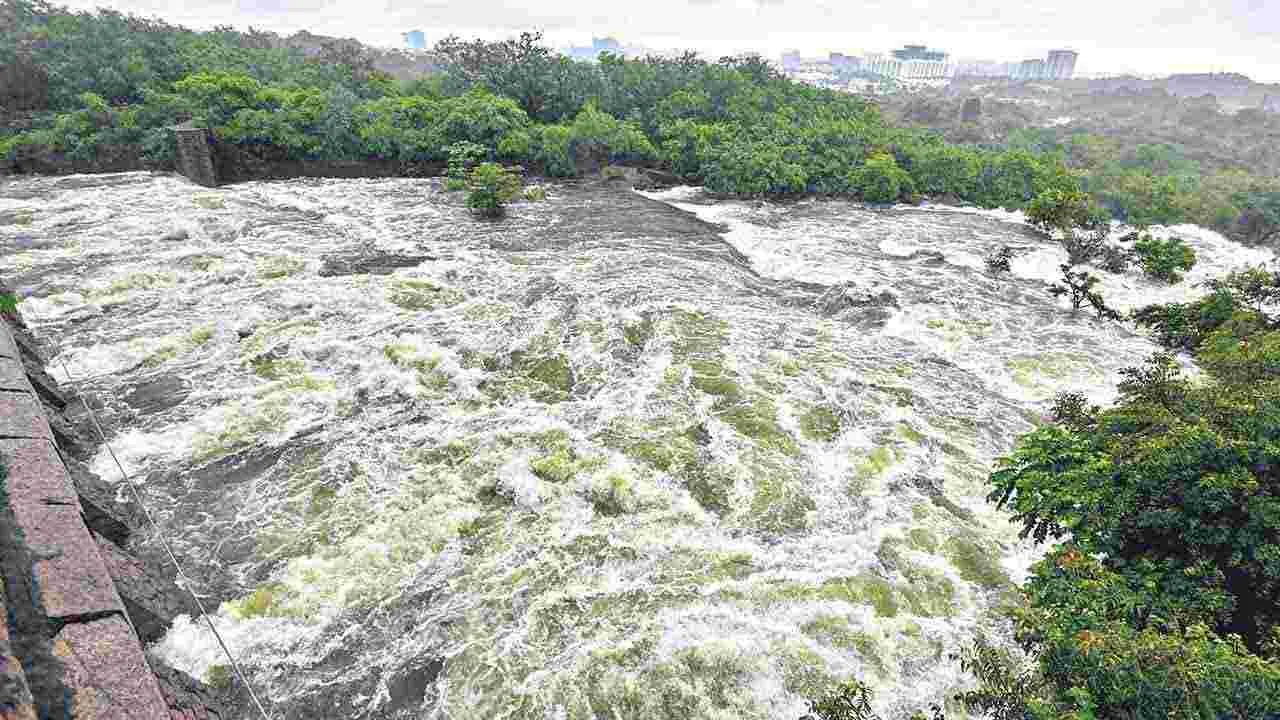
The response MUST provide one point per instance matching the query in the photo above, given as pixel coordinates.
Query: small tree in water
(1079, 285)
(489, 188)
(999, 261)
(462, 157)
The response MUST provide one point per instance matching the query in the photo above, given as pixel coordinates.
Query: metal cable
(164, 542)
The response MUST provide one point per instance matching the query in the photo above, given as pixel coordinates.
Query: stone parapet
(72, 652)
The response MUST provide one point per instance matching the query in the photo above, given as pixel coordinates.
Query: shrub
(881, 180)
(1164, 260)
(999, 261)
(489, 188)
(1079, 286)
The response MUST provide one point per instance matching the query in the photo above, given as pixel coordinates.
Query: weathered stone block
(13, 376)
(106, 673)
(21, 416)
(15, 697)
(69, 578)
(8, 348)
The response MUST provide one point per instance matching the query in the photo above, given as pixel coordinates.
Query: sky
(1152, 37)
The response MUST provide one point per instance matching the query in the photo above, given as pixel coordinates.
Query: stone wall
(195, 155)
(79, 606)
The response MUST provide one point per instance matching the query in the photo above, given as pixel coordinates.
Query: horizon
(1188, 41)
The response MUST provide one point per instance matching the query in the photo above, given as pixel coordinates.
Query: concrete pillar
(195, 155)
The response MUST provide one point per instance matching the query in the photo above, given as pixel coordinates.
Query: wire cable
(164, 543)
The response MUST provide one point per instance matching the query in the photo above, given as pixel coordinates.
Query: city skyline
(1142, 37)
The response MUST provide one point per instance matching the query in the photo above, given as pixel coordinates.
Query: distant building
(840, 61)
(415, 40)
(882, 65)
(605, 45)
(1061, 64)
(919, 52)
(791, 60)
(1271, 103)
(1033, 69)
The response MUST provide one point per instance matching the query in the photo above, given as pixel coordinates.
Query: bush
(881, 180)
(1164, 260)
(999, 262)
(489, 188)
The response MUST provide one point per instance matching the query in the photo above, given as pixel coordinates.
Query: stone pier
(195, 155)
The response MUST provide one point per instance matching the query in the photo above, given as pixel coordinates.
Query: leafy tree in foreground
(1163, 598)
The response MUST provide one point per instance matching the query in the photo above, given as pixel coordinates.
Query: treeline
(1149, 158)
(102, 80)
(733, 125)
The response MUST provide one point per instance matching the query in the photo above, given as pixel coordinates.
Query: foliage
(1079, 286)
(8, 303)
(1161, 600)
(1082, 226)
(1164, 260)
(1000, 261)
(489, 188)
(881, 180)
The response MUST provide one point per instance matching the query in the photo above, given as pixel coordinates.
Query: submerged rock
(368, 261)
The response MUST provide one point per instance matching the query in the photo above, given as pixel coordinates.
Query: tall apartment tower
(415, 40)
(1061, 64)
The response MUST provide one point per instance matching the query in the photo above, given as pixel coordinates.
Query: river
(618, 455)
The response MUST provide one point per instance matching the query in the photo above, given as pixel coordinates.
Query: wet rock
(933, 490)
(369, 261)
(408, 688)
(539, 289)
(651, 179)
(186, 697)
(158, 395)
(16, 702)
(148, 593)
(104, 513)
(846, 296)
(175, 236)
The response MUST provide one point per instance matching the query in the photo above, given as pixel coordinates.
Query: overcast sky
(1145, 36)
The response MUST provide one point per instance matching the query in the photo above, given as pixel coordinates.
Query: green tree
(489, 188)
(881, 180)
(1164, 260)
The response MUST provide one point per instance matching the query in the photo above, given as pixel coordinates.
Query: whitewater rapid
(615, 456)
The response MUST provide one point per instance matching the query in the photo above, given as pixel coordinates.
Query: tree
(1079, 286)
(1082, 225)
(1164, 260)
(489, 188)
(881, 180)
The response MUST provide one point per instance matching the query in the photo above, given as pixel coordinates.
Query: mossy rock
(758, 420)
(638, 334)
(267, 601)
(780, 504)
(820, 423)
(417, 295)
(976, 563)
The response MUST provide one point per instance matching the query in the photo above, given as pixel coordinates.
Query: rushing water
(615, 456)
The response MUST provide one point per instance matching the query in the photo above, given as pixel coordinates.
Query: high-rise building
(919, 52)
(606, 44)
(1033, 69)
(415, 39)
(1061, 64)
(791, 60)
(1271, 103)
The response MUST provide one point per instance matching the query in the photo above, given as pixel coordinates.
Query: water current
(615, 456)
